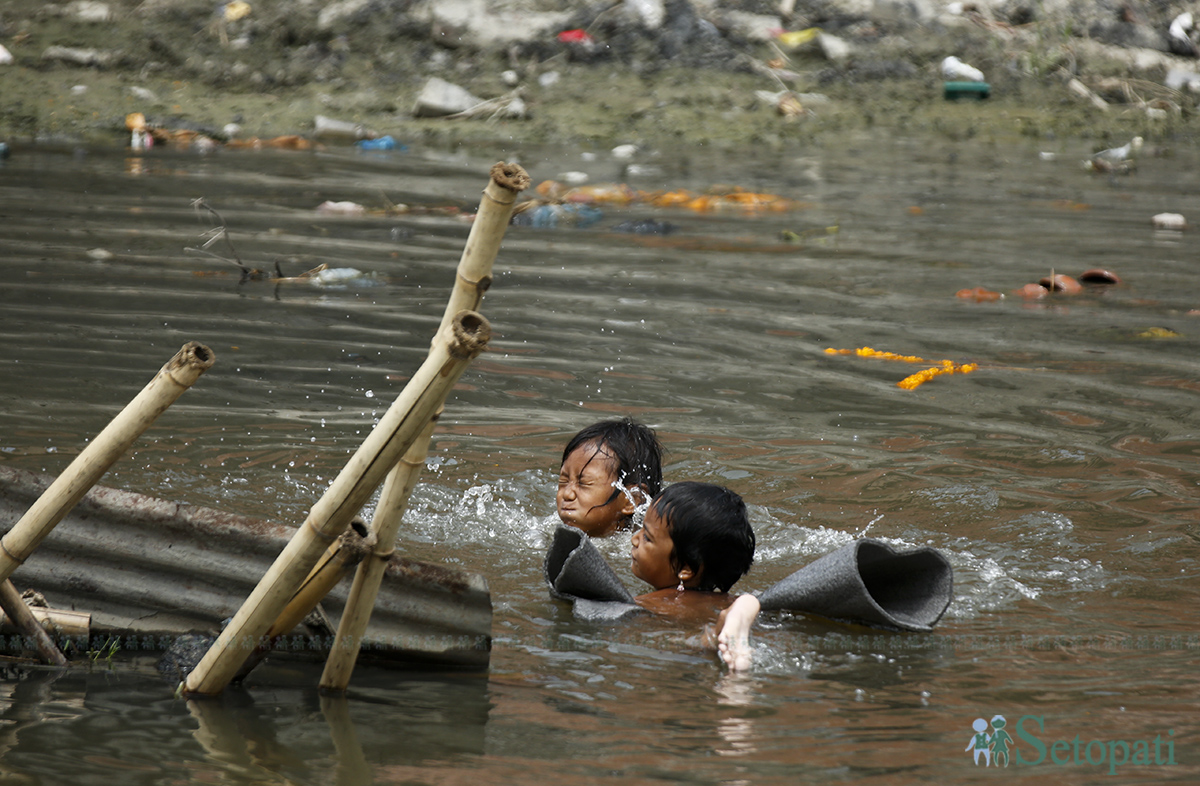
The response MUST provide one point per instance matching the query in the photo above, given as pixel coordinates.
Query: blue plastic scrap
(381, 143)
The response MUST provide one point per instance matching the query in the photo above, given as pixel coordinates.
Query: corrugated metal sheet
(151, 569)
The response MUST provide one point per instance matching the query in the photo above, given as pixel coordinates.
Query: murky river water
(1059, 478)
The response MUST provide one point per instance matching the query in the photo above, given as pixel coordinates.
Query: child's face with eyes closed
(586, 496)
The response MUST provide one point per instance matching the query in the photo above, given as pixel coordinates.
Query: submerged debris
(183, 655)
(1120, 160)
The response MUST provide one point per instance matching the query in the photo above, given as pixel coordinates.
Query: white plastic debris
(574, 178)
(334, 276)
(956, 70)
(1117, 159)
(650, 13)
(89, 11)
(331, 208)
(549, 78)
(511, 78)
(328, 128)
(5, 56)
(835, 49)
(1169, 221)
(439, 98)
(1181, 26)
(624, 152)
(143, 94)
(1182, 79)
(1116, 155)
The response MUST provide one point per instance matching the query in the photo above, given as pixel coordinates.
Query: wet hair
(635, 448)
(711, 532)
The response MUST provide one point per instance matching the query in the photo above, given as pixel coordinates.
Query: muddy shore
(79, 69)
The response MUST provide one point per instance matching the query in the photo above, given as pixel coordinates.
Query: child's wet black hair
(634, 446)
(711, 532)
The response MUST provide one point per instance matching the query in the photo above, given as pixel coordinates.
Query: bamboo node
(10, 555)
(510, 176)
(355, 545)
(471, 333)
(481, 285)
(320, 533)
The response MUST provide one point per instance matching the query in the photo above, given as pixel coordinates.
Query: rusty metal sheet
(149, 569)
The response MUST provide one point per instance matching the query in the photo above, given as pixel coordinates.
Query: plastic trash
(577, 215)
(795, 38)
(331, 208)
(5, 56)
(386, 142)
(645, 226)
(328, 128)
(1181, 26)
(956, 70)
(439, 98)
(1179, 35)
(236, 10)
(1115, 159)
(953, 91)
(335, 276)
(139, 134)
(1182, 79)
(575, 37)
(1174, 221)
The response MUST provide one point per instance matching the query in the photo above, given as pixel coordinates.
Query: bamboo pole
(22, 617)
(179, 373)
(385, 524)
(473, 276)
(466, 336)
(472, 279)
(62, 623)
(351, 548)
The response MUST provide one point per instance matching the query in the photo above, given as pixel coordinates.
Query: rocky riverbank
(647, 72)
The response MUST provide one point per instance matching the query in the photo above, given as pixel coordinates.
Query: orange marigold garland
(912, 381)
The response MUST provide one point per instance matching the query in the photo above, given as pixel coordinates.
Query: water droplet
(370, 394)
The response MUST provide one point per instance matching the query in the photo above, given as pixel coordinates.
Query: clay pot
(978, 294)
(1032, 291)
(1061, 283)
(1099, 276)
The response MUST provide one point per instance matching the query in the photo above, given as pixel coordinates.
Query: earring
(680, 588)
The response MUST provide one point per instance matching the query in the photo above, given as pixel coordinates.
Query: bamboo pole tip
(196, 356)
(510, 176)
(470, 334)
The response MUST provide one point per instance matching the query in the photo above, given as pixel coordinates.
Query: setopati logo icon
(992, 743)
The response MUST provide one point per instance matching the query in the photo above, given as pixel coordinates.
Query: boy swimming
(696, 542)
(608, 469)
(697, 536)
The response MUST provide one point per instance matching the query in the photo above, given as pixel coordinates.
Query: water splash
(639, 509)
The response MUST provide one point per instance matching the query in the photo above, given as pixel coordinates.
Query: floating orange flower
(913, 380)
(867, 352)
